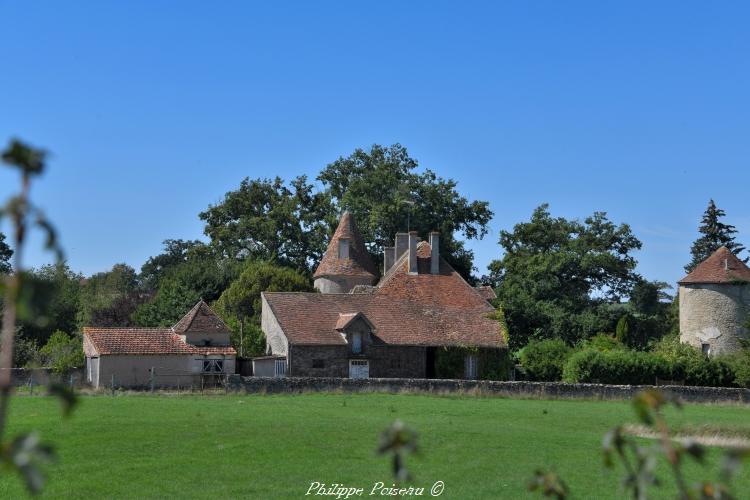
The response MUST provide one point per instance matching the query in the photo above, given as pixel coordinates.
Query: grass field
(274, 446)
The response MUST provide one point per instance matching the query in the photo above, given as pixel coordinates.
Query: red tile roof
(721, 267)
(200, 319)
(446, 289)
(105, 341)
(359, 262)
(486, 291)
(311, 318)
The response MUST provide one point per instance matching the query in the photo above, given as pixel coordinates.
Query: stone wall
(340, 284)
(544, 390)
(714, 314)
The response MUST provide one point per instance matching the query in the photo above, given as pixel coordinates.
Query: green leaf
(66, 396)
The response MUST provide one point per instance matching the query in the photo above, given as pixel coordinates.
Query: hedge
(643, 368)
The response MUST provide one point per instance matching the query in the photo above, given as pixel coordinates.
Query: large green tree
(175, 252)
(268, 219)
(50, 298)
(109, 298)
(240, 304)
(563, 278)
(202, 277)
(384, 189)
(387, 193)
(714, 235)
(5, 254)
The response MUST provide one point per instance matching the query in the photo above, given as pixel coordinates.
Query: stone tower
(714, 303)
(346, 262)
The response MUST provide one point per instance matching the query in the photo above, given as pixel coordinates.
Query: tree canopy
(558, 276)
(291, 223)
(241, 302)
(715, 234)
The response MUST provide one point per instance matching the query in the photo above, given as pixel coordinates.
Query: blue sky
(153, 110)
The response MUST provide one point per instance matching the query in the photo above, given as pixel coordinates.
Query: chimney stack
(389, 258)
(402, 245)
(413, 240)
(434, 252)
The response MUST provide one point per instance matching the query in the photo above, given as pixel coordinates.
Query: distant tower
(714, 303)
(346, 262)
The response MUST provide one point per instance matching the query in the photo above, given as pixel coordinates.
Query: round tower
(346, 262)
(714, 304)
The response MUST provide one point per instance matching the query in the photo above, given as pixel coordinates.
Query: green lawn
(275, 446)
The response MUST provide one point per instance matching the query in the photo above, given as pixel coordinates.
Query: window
(343, 248)
(706, 349)
(356, 342)
(319, 363)
(280, 368)
(470, 365)
(213, 366)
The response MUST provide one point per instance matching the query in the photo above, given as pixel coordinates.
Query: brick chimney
(402, 245)
(413, 241)
(435, 252)
(389, 258)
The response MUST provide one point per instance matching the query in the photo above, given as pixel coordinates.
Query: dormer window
(356, 342)
(344, 248)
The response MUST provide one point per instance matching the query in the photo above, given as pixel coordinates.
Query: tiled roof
(445, 289)
(311, 318)
(104, 341)
(200, 319)
(486, 291)
(359, 262)
(721, 267)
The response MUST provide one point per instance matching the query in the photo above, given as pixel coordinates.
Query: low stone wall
(543, 390)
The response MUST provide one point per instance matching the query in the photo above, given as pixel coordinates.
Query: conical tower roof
(357, 264)
(200, 319)
(721, 267)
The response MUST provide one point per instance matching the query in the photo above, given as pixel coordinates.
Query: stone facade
(333, 361)
(714, 315)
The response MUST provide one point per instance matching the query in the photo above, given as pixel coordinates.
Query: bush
(613, 367)
(603, 343)
(62, 352)
(543, 360)
(643, 368)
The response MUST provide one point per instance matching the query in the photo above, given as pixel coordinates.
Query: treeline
(556, 278)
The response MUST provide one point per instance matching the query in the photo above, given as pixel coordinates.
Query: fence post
(152, 379)
(31, 384)
(71, 381)
(113, 385)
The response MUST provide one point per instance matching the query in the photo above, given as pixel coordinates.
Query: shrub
(603, 343)
(62, 352)
(643, 368)
(543, 360)
(613, 367)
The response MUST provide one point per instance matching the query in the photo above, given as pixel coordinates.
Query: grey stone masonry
(541, 390)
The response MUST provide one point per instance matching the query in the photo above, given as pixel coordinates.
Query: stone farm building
(421, 319)
(714, 303)
(194, 349)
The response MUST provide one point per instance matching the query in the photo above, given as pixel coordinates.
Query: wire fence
(33, 380)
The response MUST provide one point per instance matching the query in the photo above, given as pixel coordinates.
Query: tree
(183, 285)
(63, 352)
(715, 234)
(291, 224)
(267, 219)
(563, 278)
(175, 252)
(51, 300)
(109, 298)
(5, 254)
(386, 194)
(240, 304)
